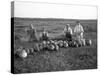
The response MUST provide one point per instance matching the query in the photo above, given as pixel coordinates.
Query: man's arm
(64, 30)
(70, 30)
(82, 30)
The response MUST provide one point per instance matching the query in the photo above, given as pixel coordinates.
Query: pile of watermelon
(51, 45)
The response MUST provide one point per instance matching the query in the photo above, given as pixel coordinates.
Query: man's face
(78, 23)
(67, 26)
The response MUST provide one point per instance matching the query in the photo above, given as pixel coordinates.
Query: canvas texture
(50, 37)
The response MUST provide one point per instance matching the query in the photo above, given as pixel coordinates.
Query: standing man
(32, 33)
(68, 32)
(78, 31)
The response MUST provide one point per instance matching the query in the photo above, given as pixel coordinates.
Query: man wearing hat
(32, 33)
(68, 32)
(78, 31)
(44, 35)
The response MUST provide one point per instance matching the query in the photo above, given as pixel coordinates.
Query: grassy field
(62, 60)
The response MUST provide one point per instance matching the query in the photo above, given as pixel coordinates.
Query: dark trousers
(44, 37)
(68, 37)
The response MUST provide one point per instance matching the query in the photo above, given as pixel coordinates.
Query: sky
(49, 10)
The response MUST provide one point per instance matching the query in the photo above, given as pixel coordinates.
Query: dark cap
(78, 21)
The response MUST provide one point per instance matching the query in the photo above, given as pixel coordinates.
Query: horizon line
(51, 18)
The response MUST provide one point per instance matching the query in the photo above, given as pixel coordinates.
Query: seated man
(44, 35)
(68, 32)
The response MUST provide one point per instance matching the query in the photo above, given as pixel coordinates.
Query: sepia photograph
(48, 37)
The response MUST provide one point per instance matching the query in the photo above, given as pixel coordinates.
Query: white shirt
(78, 29)
(69, 29)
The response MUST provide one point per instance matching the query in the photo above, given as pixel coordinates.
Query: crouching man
(68, 32)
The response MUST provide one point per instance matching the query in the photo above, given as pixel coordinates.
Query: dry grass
(62, 60)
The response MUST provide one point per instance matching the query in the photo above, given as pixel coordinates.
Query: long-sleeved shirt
(69, 29)
(78, 29)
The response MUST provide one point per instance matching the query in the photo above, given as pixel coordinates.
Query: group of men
(68, 32)
(77, 32)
